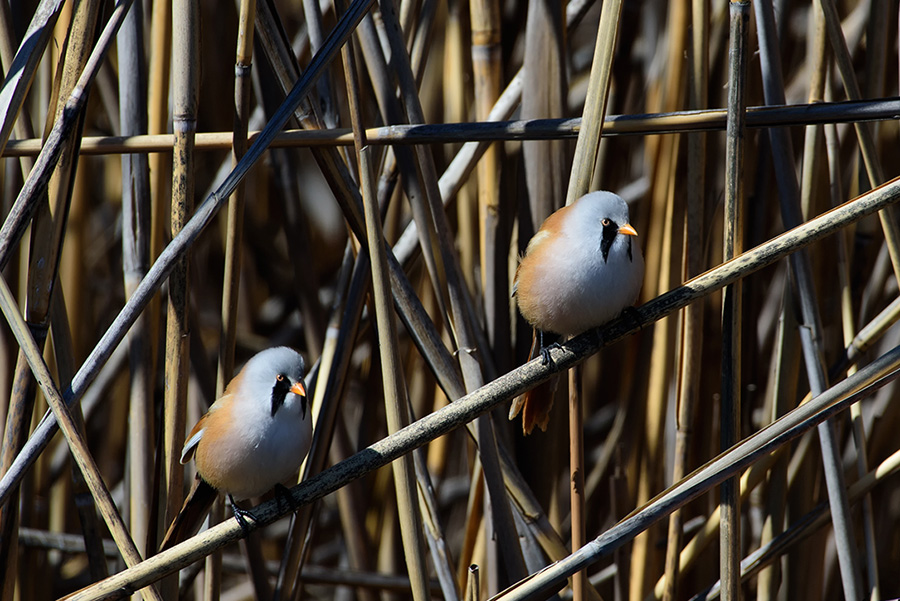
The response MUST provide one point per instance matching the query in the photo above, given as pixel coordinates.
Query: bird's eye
(280, 377)
(605, 222)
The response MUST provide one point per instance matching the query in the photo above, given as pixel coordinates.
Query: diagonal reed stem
(508, 386)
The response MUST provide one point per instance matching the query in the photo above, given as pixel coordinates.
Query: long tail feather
(535, 404)
(193, 512)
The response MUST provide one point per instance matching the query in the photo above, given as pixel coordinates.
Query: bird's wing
(193, 439)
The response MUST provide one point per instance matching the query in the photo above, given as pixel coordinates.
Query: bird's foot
(546, 359)
(241, 516)
(633, 316)
(284, 494)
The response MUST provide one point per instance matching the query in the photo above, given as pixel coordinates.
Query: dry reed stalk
(235, 214)
(691, 338)
(809, 328)
(21, 69)
(783, 387)
(873, 166)
(495, 129)
(847, 391)
(455, 110)
(576, 476)
(345, 317)
(395, 394)
(544, 65)
(22, 125)
(730, 506)
(850, 340)
(661, 242)
(428, 209)
(486, 73)
(185, 83)
(473, 583)
(135, 261)
(595, 104)
(583, 166)
(504, 388)
(46, 240)
(91, 535)
(807, 525)
(635, 162)
(159, 165)
(69, 424)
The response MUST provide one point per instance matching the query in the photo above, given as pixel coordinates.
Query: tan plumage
(254, 437)
(580, 270)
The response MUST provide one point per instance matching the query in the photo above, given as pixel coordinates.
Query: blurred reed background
(160, 103)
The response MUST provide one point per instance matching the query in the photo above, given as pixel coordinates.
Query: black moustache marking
(630, 258)
(279, 393)
(609, 234)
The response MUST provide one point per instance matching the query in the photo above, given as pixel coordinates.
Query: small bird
(580, 270)
(251, 440)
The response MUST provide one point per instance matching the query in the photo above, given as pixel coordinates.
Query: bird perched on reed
(250, 441)
(580, 270)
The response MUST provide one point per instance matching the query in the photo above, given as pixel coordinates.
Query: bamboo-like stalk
(185, 84)
(713, 473)
(595, 105)
(395, 397)
(455, 110)
(65, 361)
(21, 69)
(691, 339)
(551, 578)
(26, 202)
(808, 524)
(47, 234)
(135, 261)
(729, 503)
(473, 583)
(873, 167)
(492, 250)
(446, 276)
(576, 476)
(22, 125)
(345, 317)
(506, 387)
(351, 518)
(809, 328)
(76, 440)
(484, 18)
(235, 213)
(159, 166)
(583, 165)
(851, 340)
(784, 391)
(544, 67)
(495, 129)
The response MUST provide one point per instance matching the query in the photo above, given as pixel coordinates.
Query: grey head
(603, 216)
(279, 372)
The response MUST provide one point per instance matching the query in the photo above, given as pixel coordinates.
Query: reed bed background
(407, 153)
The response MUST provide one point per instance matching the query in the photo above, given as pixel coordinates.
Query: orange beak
(299, 388)
(628, 230)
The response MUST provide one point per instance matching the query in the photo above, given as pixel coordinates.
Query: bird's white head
(272, 380)
(600, 216)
